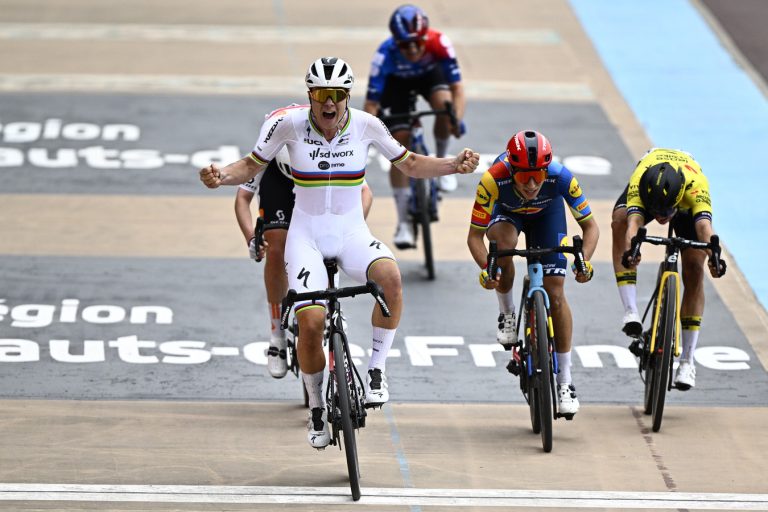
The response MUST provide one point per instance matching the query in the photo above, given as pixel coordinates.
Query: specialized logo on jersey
(574, 189)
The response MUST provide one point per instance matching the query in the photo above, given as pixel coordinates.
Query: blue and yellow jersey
(695, 197)
(496, 190)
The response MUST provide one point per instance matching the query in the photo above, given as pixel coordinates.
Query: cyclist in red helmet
(420, 59)
(667, 185)
(523, 192)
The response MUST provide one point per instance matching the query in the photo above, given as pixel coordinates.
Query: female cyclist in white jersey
(328, 145)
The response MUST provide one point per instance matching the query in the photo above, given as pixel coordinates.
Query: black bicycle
(345, 396)
(424, 191)
(532, 358)
(658, 346)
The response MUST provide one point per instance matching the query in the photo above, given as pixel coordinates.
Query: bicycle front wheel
(664, 349)
(345, 378)
(424, 219)
(542, 365)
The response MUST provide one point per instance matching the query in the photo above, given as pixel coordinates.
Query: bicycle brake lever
(258, 233)
(378, 294)
(285, 306)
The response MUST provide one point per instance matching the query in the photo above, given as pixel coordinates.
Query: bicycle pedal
(636, 347)
(568, 417)
(513, 367)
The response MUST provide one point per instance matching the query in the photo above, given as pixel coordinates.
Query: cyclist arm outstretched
(421, 166)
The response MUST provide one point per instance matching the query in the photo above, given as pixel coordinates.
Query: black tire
(664, 348)
(341, 371)
(424, 220)
(649, 381)
(542, 363)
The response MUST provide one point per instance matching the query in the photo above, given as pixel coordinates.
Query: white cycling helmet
(330, 72)
(283, 161)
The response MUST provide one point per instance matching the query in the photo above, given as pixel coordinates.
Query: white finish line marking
(381, 496)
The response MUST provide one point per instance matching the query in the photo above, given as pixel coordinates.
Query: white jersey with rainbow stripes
(328, 175)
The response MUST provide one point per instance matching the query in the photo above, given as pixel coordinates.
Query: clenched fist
(211, 176)
(467, 161)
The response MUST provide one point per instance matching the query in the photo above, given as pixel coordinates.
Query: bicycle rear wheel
(345, 376)
(424, 219)
(543, 372)
(664, 348)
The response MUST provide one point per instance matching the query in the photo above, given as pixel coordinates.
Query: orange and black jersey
(496, 191)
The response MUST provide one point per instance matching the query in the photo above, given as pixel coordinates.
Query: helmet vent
(532, 157)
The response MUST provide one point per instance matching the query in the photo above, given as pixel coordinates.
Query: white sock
(690, 340)
(506, 301)
(278, 333)
(314, 384)
(402, 196)
(382, 342)
(564, 365)
(628, 294)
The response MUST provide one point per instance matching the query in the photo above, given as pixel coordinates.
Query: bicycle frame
(667, 269)
(536, 283)
(656, 361)
(345, 401)
(538, 380)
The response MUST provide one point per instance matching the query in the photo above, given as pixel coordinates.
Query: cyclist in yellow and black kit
(667, 185)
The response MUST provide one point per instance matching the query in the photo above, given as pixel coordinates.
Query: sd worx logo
(319, 153)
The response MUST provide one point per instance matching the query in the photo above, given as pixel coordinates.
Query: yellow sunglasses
(322, 94)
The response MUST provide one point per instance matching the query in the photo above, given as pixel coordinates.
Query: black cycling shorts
(275, 198)
(397, 93)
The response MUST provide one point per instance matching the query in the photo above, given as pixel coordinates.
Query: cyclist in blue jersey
(523, 192)
(420, 59)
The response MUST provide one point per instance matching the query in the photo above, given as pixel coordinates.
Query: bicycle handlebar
(494, 254)
(674, 242)
(258, 234)
(333, 293)
(412, 117)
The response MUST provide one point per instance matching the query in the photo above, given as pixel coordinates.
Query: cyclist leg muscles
(365, 257)
(619, 231)
(435, 89)
(306, 272)
(505, 229)
(275, 206)
(693, 261)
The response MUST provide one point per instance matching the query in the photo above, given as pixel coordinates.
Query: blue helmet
(408, 23)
